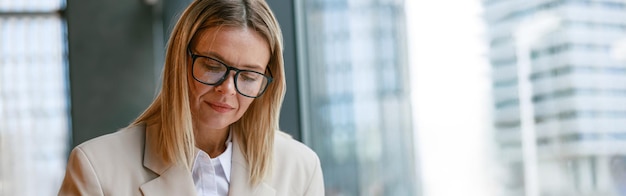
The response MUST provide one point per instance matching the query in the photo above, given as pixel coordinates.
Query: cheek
(197, 90)
(202, 88)
(244, 104)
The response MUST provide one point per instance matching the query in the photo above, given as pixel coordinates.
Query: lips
(220, 107)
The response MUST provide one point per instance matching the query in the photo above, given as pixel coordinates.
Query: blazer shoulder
(112, 164)
(290, 151)
(287, 147)
(297, 169)
(115, 144)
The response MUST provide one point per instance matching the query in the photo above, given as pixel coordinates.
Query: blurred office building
(34, 97)
(355, 84)
(578, 95)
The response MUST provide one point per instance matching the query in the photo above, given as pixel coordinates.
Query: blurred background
(397, 97)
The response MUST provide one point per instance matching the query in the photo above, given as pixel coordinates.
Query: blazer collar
(240, 176)
(177, 180)
(174, 179)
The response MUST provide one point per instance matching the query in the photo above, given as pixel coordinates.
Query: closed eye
(250, 76)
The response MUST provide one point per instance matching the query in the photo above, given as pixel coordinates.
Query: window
(34, 119)
(357, 98)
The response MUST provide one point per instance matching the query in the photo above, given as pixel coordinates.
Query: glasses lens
(208, 70)
(251, 83)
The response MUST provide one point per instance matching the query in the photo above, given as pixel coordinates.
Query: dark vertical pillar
(172, 9)
(111, 64)
(290, 112)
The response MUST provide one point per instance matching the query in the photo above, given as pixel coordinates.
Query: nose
(227, 86)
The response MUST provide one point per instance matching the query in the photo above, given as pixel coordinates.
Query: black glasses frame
(228, 69)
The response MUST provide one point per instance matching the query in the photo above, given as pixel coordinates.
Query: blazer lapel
(173, 179)
(240, 179)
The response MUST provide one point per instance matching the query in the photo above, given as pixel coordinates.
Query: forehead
(233, 45)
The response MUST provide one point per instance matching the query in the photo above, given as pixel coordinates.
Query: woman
(212, 130)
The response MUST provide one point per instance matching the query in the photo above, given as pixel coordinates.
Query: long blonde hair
(255, 130)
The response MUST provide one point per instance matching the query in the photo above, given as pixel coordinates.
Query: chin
(215, 124)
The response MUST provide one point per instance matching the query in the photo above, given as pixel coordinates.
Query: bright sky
(450, 81)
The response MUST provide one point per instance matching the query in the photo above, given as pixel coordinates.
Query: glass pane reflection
(33, 104)
(358, 96)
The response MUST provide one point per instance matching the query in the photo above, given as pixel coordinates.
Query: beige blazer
(126, 163)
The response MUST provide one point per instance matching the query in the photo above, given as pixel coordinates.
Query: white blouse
(212, 176)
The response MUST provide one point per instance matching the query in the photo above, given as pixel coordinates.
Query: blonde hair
(255, 130)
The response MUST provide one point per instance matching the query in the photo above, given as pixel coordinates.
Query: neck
(213, 142)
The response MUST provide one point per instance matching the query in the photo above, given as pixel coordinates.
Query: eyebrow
(221, 59)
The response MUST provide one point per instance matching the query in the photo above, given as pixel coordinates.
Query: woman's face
(216, 107)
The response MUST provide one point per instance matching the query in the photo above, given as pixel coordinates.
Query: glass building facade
(34, 117)
(357, 105)
(578, 81)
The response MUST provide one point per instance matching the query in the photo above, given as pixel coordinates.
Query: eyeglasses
(211, 71)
